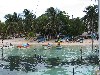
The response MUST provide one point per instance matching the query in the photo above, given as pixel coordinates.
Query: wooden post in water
(2, 49)
(92, 34)
(73, 70)
(2, 53)
(81, 53)
(2, 44)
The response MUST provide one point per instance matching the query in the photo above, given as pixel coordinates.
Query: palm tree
(2, 30)
(91, 19)
(28, 21)
(57, 21)
(12, 23)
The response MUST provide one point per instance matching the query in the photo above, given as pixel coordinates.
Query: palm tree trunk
(99, 26)
(92, 33)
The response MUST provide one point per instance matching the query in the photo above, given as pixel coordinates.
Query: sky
(38, 7)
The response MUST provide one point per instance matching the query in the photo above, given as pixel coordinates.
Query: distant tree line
(51, 23)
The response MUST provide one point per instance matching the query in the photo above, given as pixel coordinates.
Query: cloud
(72, 7)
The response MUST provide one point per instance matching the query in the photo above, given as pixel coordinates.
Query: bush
(31, 34)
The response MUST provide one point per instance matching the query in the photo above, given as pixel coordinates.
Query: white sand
(20, 41)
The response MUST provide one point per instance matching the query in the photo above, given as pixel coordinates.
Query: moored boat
(23, 46)
(58, 47)
(47, 46)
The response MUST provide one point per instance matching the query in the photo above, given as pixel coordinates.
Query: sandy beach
(20, 41)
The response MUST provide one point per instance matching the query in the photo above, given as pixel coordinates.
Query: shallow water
(37, 61)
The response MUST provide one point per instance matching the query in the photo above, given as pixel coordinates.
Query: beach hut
(86, 35)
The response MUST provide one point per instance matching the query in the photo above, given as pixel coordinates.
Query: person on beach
(97, 37)
(96, 50)
(58, 43)
(49, 44)
(11, 44)
(27, 44)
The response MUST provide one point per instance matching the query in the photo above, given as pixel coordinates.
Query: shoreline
(20, 41)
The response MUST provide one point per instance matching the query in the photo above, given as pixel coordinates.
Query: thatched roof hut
(86, 35)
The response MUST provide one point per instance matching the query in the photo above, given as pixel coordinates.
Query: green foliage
(31, 34)
(91, 18)
(51, 23)
(76, 27)
(13, 23)
(28, 20)
(3, 30)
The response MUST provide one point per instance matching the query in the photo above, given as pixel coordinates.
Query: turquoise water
(37, 61)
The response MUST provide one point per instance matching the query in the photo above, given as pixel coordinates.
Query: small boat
(23, 46)
(58, 47)
(47, 46)
(19, 46)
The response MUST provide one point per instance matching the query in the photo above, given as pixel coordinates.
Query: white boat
(45, 47)
(58, 47)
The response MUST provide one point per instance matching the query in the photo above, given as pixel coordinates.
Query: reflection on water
(47, 62)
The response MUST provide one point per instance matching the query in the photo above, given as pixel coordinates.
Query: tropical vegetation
(51, 23)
